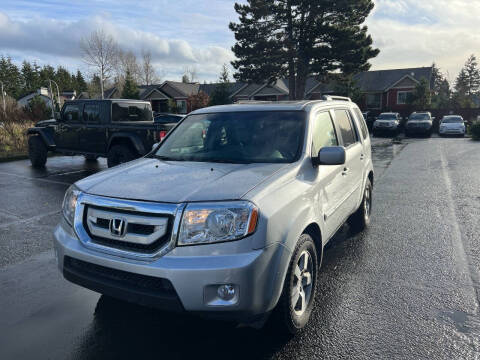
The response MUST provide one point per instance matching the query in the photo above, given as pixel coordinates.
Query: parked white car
(452, 125)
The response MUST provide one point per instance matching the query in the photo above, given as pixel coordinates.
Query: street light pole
(3, 97)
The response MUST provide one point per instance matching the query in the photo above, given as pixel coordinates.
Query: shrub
(475, 130)
(14, 123)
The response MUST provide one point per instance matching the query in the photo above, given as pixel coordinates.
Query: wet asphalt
(407, 288)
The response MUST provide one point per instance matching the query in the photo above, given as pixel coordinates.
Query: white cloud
(417, 33)
(47, 38)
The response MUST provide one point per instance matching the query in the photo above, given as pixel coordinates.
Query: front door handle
(345, 171)
(362, 157)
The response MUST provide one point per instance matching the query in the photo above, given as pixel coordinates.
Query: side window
(71, 113)
(323, 133)
(363, 125)
(345, 126)
(91, 113)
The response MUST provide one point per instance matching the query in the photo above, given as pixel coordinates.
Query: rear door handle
(345, 171)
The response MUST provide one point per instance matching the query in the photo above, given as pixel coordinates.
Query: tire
(119, 154)
(37, 151)
(360, 219)
(292, 317)
(91, 158)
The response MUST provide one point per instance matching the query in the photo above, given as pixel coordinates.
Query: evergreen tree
(30, 78)
(81, 84)
(11, 77)
(130, 89)
(299, 38)
(467, 83)
(422, 96)
(221, 93)
(441, 93)
(63, 78)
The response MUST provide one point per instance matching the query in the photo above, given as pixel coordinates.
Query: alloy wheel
(302, 284)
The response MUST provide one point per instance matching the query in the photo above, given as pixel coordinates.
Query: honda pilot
(228, 216)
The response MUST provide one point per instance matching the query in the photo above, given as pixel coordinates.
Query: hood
(419, 122)
(174, 182)
(385, 121)
(453, 125)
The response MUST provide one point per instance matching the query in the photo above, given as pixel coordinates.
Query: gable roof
(381, 80)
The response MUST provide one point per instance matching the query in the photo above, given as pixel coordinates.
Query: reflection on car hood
(419, 122)
(169, 181)
(46, 122)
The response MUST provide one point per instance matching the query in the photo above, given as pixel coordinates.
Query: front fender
(44, 134)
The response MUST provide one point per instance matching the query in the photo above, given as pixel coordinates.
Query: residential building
(43, 93)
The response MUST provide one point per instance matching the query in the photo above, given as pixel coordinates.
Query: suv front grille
(138, 232)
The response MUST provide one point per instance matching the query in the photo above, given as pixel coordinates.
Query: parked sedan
(387, 123)
(419, 123)
(452, 125)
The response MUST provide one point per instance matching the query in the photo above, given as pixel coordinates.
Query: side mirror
(155, 145)
(332, 155)
(57, 115)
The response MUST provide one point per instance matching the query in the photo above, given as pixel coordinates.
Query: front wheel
(360, 219)
(37, 151)
(298, 296)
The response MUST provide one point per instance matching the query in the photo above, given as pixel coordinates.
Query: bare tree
(189, 74)
(101, 52)
(127, 62)
(148, 74)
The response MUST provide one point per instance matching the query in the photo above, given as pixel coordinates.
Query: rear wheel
(119, 154)
(298, 296)
(37, 151)
(361, 218)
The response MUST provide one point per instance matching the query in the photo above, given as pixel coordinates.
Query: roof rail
(251, 101)
(335, 97)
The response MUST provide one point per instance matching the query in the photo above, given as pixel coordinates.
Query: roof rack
(335, 97)
(251, 102)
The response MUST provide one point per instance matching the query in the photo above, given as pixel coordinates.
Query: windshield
(417, 117)
(237, 137)
(451, 120)
(387, 117)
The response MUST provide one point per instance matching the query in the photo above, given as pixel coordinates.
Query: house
(384, 90)
(43, 93)
(388, 90)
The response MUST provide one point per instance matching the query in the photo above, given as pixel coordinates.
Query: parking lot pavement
(407, 288)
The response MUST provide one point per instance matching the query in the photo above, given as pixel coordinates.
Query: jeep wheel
(298, 296)
(37, 151)
(360, 219)
(119, 154)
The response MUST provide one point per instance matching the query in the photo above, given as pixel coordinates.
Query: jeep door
(353, 169)
(93, 134)
(329, 182)
(68, 127)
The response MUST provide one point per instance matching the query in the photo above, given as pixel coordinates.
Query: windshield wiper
(167, 158)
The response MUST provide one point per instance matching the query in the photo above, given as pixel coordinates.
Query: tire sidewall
(37, 151)
(296, 323)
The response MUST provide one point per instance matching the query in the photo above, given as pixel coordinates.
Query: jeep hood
(46, 122)
(175, 182)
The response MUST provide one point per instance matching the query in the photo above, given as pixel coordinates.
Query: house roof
(381, 80)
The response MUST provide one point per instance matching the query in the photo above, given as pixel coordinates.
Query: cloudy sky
(194, 33)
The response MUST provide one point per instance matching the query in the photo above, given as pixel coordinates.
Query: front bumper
(448, 131)
(186, 278)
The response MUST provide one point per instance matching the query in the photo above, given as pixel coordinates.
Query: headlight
(216, 222)
(70, 203)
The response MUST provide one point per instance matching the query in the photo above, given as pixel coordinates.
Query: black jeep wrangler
(120, 130)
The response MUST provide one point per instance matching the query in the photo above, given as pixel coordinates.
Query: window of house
(374, 101)
(324, 132)
(346, 129)
(91, 113)
(71, 113)
(182, 106)
(403, 97)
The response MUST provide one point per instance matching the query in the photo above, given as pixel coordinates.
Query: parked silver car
(228, 216)
(452, 125)
(387, 123)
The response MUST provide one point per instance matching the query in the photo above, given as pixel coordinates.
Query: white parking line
(34, 178)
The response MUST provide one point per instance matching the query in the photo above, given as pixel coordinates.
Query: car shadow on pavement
(124, 330)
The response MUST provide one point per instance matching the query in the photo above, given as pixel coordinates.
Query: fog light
(226, 292)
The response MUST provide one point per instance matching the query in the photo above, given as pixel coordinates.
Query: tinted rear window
(131, 112)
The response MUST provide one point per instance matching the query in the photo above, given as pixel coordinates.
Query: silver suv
(228, 216)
